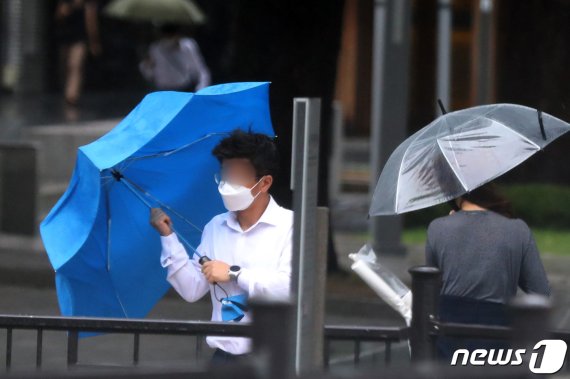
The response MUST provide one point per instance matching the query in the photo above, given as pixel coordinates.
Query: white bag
(386, 285)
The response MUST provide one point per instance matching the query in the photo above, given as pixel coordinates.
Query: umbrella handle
(203, 259)
(541, 124)
(441, 107)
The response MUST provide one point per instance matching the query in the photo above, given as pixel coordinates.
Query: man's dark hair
(258, 148)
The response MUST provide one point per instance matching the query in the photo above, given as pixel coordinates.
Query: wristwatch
(234, 273)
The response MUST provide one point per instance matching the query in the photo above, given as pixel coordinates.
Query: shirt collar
(270, 216)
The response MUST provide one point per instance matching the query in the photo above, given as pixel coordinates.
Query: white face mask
(237, 197)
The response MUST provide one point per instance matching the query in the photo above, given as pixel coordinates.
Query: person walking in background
(484, 256)
(77, 23)
(175, 62)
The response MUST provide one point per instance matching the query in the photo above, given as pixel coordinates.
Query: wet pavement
(21, 111)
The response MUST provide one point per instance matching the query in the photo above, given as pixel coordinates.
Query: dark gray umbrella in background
(460, 151)
(180, 12)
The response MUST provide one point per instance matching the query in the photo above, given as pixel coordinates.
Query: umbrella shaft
(122, 179)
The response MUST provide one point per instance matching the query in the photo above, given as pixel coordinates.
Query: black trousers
(469, 311)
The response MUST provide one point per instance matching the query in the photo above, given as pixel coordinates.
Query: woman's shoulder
(442, 220)
(455, 218)
(441, 223)
(520, 225)
(513, 222)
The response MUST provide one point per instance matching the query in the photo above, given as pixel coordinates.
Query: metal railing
(272, 345)
(75, 325)
(198, 329)
(530, 316)
(358, 334)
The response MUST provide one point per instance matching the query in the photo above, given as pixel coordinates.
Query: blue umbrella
(98, 237)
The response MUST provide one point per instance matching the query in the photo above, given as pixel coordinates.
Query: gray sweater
(485, 256)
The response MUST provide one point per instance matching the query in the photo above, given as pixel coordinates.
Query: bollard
(531, 321)
(426, 285)
(18, 187)
(530, 315)
(273, 338)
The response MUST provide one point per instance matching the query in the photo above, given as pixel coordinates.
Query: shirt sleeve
(202, 70)
(184, 274)
(146, 66)
(274, 284)
(533, 277)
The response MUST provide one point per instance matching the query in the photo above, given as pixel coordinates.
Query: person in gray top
(484, 256)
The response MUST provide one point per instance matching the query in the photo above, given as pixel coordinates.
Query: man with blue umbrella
(245, 252)
(103, 250)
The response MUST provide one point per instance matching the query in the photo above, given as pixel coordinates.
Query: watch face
(235, 268)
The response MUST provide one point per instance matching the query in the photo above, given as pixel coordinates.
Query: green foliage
(539, 205)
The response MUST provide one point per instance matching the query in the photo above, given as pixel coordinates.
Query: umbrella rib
(108, 257)
(121, 304)
(419, 134)
(185, 241)
(498, 122)
(169, 152)
(452, 167)
(162, 204)
(399, 176)
(130, 185)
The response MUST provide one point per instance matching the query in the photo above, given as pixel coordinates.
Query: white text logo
(547, 357)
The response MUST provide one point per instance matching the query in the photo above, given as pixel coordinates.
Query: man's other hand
(161, 222)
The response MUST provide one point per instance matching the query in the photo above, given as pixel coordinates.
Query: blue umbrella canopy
(98, 238)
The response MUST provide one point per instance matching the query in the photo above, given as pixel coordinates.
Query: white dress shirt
(263, 252)
(176, 66)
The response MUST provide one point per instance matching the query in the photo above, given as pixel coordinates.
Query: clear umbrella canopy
(459, 152)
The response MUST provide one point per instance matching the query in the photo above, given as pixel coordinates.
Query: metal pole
(23, 58)
(378, 53)
(12, 44)
(389, 105)
(316, 349)
(72, 347)
(443, 71)
(335, 174)
(309, 240)
(426, 285)
(18, 195)
(272, 336)
(484, 53)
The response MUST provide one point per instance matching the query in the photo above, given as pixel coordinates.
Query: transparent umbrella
(459, 152)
